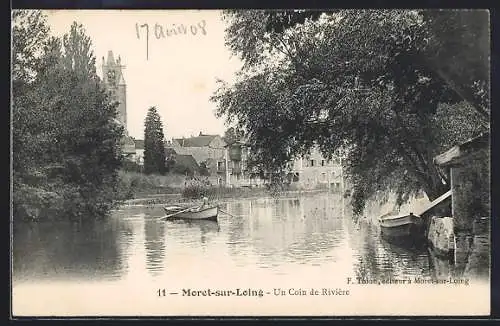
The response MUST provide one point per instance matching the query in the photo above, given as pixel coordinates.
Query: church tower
(112, 74)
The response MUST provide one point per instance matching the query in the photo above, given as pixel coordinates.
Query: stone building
(112, 75)
(314, 171)
(238, 173)
(309, 172)
(468, 168)
(209, 151)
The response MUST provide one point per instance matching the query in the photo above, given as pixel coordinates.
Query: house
(309, 172)
(314, 171)
(468, 168)
(467, 165)
(238, 174)
(208, 150)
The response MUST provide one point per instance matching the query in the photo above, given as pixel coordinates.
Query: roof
(455, 154)
(187, 161)
(198, 141)
(139, 143)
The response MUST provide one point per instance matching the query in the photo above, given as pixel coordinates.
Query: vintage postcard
(250, 163)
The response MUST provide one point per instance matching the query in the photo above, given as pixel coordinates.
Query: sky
(175, 72)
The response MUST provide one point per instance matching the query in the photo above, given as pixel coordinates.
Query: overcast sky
(177, 74)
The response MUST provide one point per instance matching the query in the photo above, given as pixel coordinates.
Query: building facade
(314, 171)
(310, 172)
(209, 151)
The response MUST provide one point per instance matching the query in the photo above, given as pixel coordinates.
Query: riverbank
(138, 189)
(226, 195)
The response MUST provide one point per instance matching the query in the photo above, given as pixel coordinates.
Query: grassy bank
(138, 185)
(140, 189)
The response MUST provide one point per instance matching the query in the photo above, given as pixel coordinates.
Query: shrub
(195, 189)
(130, 166)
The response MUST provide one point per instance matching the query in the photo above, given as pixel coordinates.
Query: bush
(31, 203)
(130, 166)
(133, 184)
(195, 189)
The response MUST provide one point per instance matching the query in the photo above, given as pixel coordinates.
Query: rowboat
(209, 213)
(401, 226)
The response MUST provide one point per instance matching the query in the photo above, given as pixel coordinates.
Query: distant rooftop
(187, 161)
(199, 141)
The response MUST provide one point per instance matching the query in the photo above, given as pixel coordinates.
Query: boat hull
(207, 214)
(407, 226)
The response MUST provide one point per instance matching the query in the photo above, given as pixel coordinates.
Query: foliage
(133, 184)
(232, 135)
(29, 33)
(154, 150)
(355, 82)
(169, 163)
(65, 140)
(458, 50)
(130, 166)
(182, 169)
(195, 189)
(204, 169)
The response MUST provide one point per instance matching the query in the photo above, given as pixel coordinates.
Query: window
(311, 163)
(322, 162)
(220, 165)
(323, 176)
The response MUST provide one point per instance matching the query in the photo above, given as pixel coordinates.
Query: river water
(133, 263)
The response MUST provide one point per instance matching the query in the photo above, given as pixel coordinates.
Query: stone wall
(440, 235)
(470, 184)
(471, 207)
(474, 250)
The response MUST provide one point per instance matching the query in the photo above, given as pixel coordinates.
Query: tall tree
(154, 148)
(346, 80)
(89, 136)
(65, 138)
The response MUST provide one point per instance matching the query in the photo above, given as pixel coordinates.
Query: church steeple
(111, 59)
(115, 83)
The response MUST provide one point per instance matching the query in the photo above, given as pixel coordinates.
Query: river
(133, 263)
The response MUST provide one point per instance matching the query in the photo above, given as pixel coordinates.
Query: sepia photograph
(250, 162)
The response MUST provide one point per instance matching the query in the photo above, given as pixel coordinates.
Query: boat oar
(223, 211)
(176, 213)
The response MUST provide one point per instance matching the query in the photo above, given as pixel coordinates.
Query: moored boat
(401, 226)
(193, 213)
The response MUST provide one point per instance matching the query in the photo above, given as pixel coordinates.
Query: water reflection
(66, 251)
(267, 234)
(376, 258)
(154, 244)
